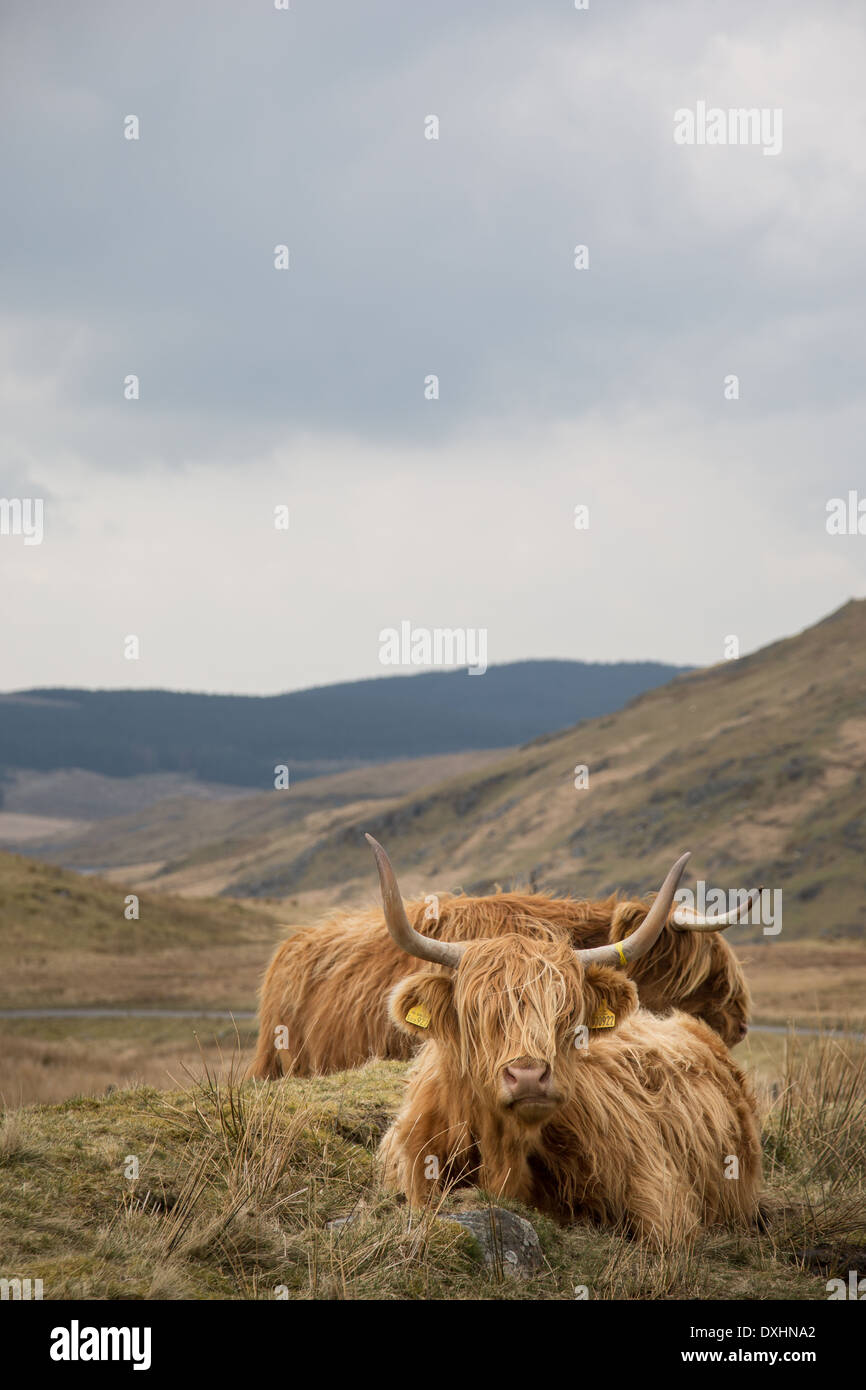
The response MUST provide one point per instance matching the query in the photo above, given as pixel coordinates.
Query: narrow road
(242, 1015)
(125, 1013)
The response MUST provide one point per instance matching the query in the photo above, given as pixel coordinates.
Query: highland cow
(541, 1080)
(324, 997)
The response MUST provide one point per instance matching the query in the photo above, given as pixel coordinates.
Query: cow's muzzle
(528, 1090)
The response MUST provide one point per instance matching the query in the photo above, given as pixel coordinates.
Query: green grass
(237, 1182)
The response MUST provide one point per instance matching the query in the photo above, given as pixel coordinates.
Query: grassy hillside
(65, 943)
(46, 1060)
(756, 765)
(64, 939)
(236, 1186)
(181, 827)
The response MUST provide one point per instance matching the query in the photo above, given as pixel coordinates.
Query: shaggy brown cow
(541, 1080)
(324, 997)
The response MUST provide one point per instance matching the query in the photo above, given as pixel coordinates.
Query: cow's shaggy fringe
(504, 1002)
(327, 986)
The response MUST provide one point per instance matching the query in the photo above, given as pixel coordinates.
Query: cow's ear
(606, 991)
(422, 1005)
(626, 916)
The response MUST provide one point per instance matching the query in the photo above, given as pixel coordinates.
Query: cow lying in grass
(324, 997)
(540, 1079)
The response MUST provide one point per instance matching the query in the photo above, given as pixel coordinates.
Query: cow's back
(327, 986)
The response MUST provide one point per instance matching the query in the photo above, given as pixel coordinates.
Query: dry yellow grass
(65, 939)
(43, 1061)
(809, 983)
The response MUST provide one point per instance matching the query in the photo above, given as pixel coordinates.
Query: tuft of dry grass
(815, 1144)
(12, 1140)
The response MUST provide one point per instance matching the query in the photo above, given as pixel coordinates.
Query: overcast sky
(410, 257)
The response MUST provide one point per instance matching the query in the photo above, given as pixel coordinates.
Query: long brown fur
(327, 986)
(652, 1112)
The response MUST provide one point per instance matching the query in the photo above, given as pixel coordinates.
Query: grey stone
(505, 1240)
(339, 1223)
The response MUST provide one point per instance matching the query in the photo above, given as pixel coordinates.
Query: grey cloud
(411, 257)
(408, 257)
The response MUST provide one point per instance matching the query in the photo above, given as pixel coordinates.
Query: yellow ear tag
(603, 1017)
(419, 1015)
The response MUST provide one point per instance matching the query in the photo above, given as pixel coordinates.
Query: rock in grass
(506, 1241)
(835, 1260)
(339, 1223)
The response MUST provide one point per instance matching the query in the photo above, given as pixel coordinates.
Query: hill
(236, 740)
(65, 939)
(756, 765)
(88, 820)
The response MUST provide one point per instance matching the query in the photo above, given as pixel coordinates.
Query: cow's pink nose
(526, 1077)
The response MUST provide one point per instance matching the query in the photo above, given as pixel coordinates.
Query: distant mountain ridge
(756, 765)
(238, 739)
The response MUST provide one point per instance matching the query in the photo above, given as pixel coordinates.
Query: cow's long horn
(405, 935)
(637, 944)
(686, 919)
